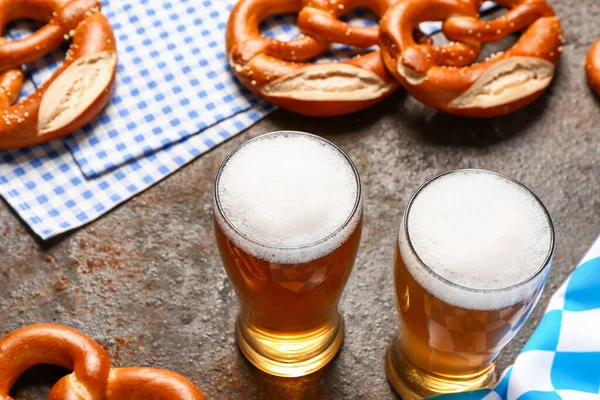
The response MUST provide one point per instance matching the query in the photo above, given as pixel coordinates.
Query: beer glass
(473, 255)
(288, 221)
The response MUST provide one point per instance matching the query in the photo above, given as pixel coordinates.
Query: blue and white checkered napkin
(175, 99)
(562, 358)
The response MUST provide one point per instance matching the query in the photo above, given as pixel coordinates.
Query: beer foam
(484, 234)
(287, 197)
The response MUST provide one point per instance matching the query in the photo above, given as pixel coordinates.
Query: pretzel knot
(592, 67)
(80, 87)
(446, 77)
(92, 377)
(279, 71)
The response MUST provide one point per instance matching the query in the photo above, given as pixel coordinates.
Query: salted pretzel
(80, 87)
(279, 72)
(446, 77)
(92, 377)
(592, 67)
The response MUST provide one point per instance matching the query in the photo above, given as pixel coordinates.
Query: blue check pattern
(562, 358)
(175, 98)
(48, 190)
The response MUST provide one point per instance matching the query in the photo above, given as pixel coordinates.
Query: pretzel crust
(149, 383)
(79, 88)
(278, 71)
(92, 377)
(592, 67)
(445, 78)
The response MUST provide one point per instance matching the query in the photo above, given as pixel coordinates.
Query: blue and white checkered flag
(562, 358)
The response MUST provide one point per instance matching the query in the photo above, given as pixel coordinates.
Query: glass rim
(355, 207)
(545, 264)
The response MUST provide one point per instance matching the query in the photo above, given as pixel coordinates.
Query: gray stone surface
(146, 280)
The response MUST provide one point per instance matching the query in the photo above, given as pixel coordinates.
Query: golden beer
(474, 252)
(288, 221)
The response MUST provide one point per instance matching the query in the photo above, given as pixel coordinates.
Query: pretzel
(80, 87)
(278, 71)
(592, 67)
(445, 77)
(92, 377)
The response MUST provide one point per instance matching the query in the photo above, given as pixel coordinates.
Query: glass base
(413, 383)
(290, 355)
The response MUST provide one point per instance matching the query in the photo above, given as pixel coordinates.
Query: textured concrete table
(146, 280)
